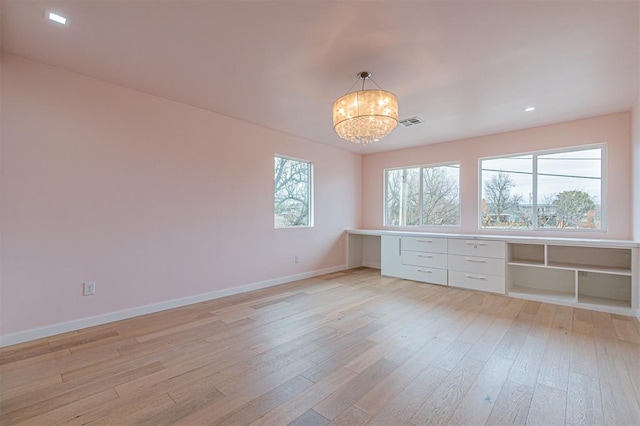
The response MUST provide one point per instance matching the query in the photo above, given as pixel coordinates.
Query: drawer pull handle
(476, 278)
(426, 271)
(425, 256)
(475, 261)
(425, 241)
(475, 245)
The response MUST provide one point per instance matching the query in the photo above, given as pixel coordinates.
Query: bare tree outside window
(573, 208)
(423, 196)
(440, 195)
(292, 192)
(498, 195)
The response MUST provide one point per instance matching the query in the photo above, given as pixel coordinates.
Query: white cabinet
(425, 259)
(391, 256)
(477, 264)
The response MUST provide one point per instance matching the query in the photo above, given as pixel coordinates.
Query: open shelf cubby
(611, 260)
(542, 283)
(526, 254)
(604, 289)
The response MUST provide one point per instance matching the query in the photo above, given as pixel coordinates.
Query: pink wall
(152, 199)
(614, 129)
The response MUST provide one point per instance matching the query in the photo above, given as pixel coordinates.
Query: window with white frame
(292, 190)
(423, 196)
(561, 189)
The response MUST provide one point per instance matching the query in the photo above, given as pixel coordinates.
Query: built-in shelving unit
(597, 276)
(592, 274)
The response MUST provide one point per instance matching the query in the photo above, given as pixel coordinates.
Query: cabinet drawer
(480, 248)
(481, 282)
(428, 244)
(427, 275)
(476, 265)
(419, 258)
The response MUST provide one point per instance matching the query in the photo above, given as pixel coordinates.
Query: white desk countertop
(502, 237)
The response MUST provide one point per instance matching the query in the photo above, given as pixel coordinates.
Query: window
(547, 190)
(292, 192)
(423, 196)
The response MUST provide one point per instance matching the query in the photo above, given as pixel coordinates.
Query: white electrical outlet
(297, 259)
(89, 288)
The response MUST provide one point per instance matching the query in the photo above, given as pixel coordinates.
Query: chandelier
(365, 116)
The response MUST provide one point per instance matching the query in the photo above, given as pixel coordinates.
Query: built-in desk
(592, 274)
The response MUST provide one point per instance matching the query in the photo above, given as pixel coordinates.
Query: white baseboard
(65, 327)
(374, 265)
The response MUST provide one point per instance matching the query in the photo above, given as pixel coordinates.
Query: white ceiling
(466, 68)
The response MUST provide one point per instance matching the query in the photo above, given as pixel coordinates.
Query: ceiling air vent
(412, 121)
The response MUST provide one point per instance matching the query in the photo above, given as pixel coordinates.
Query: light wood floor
(346, 348)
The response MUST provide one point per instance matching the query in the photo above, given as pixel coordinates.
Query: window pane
(403, 197)
(570, 189)
(507, 192)
(440, 195)
(292, 192)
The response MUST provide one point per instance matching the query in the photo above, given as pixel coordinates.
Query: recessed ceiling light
(529, 109)
(57, 18)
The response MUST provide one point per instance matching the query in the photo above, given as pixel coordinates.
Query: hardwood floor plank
(67, 413)
(512, 341)
(541, 325)
(452, 355)
(411, 398)
(310, 418)
(554, 370)
(584, 401)
(476, 405)
(219, 408)
(548, 406)
(619, 403)
(442, 403)
(170, 414)
(258, 407)
(626, 330)
(527, 365)
(337, 361)
(631, 356)
(131, 411)
(351, 416)
(512, 405)
(381, 394)
(304, 401)
(21, 409)
(484, 347)
(339, 401)
(485, 319)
